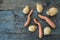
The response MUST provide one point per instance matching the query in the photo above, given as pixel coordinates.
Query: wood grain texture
(19, 4)
(11, 26)
(12, 21)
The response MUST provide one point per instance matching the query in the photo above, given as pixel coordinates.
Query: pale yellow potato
(39, 7)
(26, 10)
(47, 31)
(32, 28)
(52, 11)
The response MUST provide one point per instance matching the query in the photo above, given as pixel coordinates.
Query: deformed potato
(26, 10)
(32, 28)
(39, 7)
(47, 31)
(52, 11)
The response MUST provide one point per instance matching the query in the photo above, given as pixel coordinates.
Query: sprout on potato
(52, 11)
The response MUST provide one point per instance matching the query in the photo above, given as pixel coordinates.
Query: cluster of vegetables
(32, 28)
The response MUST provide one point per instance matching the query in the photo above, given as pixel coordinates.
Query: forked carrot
(49, 21)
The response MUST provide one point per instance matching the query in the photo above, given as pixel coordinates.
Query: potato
(32, 28)
(52, 11)
(47, 31)
(26, 10)
(39, 7)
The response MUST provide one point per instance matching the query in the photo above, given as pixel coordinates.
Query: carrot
(49, 21)
(28, 19)
(40, 28)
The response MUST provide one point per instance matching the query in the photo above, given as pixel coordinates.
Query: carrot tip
(39, 15)
(24, 25)
(54, 27)
(40, 36)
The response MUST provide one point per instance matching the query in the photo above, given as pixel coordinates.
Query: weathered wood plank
(19, 4)
(11, 26)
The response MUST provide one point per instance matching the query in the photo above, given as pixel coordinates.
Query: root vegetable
(39, 7)
(49, 21)
(47, 31)
(40, 28)
(26, 10)
(32, 28)
(52, 11)
(29, 18)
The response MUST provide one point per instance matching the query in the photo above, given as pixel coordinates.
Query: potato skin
(32, 28)
(52, 11)
(26, 10)
(47, 31)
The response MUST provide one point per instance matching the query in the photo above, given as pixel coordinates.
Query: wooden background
(19, 4)
(12, 20)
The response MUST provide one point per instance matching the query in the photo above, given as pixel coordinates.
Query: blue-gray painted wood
(12, 21)
(20, 4)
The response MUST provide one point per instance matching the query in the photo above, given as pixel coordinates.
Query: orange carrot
(40, 28)
(49, 21)
(28, 19)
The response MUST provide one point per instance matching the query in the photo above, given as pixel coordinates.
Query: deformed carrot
(40, 28)
(28, 19)
(49, 21)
